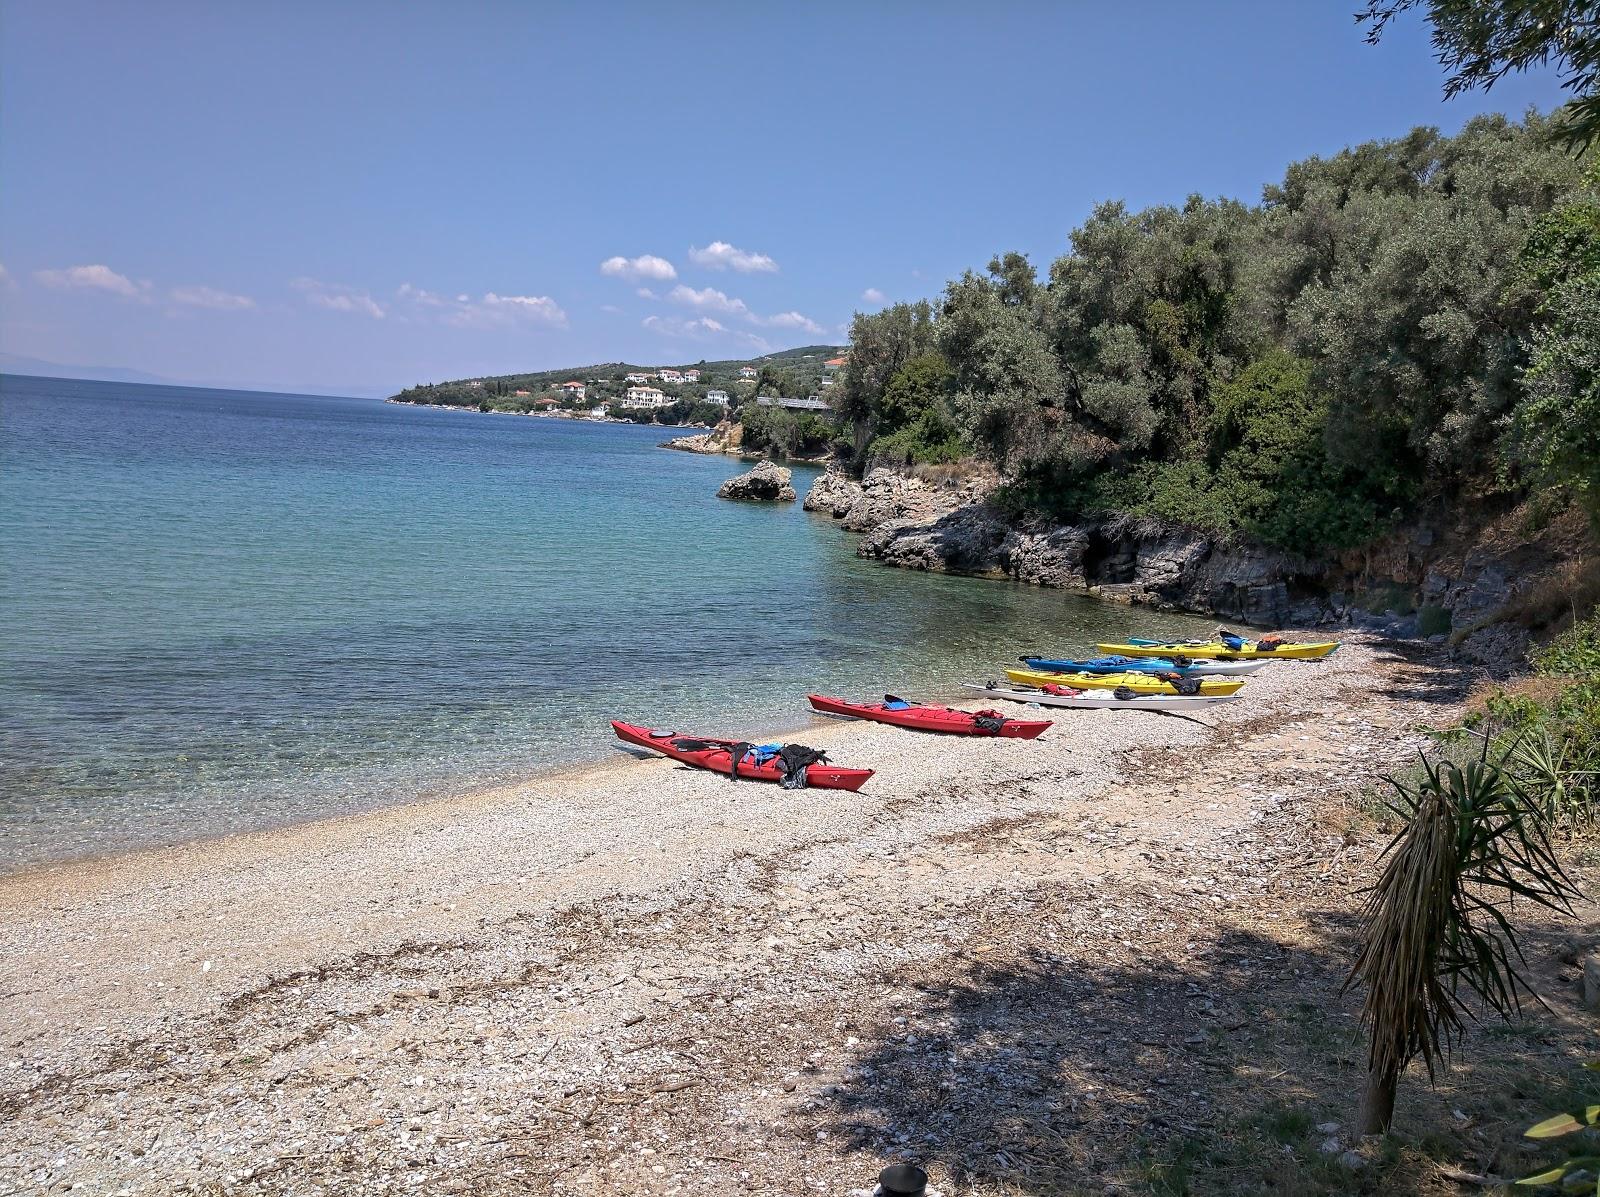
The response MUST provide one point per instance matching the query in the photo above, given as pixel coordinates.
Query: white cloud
(646, 293)
(710, 300)
(719, 255)
(92, 278)
(426, 298)
(873, 295)
(541, 309)
(611, 309)
(492, 309)
(793, 320)
(702, 328)
(338, 298)
(644, 266)
(209, 297)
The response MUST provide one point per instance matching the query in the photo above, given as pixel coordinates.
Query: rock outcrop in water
(1473, 580)
(833, 493)
(886, 495)
(767, 482)
(724, 438)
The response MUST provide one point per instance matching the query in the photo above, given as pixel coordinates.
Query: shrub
(785, 433)
(932, 439)
(1575, 653)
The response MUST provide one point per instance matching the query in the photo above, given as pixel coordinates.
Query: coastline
(580, 918)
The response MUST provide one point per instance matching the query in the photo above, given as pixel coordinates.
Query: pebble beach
(639, 966)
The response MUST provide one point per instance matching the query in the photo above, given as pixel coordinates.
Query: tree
(1483, 41)
(919, 385)
(1416, 324)
(880, 344)
(1473, 839)
(1009, 389)
(1556, 425)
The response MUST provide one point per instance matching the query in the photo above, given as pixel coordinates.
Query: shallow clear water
(222, 610)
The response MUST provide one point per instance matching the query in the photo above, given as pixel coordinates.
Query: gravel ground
(1005, 959)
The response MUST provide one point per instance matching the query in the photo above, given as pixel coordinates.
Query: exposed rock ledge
(1470, 584)
(885, 495)
(1160, 567)
(724, 438)
(766, 482)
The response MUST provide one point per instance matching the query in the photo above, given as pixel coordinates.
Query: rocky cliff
(1471, 582)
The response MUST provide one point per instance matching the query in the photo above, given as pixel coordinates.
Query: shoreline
(270, 999)
(442, 796)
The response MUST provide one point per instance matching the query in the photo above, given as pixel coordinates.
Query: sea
(225, 610)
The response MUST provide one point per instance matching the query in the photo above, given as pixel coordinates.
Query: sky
(357, 196)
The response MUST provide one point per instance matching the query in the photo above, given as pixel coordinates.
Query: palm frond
(1437, 938)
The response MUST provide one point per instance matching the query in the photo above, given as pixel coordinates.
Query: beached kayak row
(1139, 675)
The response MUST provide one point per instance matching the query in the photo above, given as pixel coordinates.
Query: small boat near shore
(1189, 667)
(1265, 649)
(1138, 683)
(716, 755)
(1099, 700)
(920, 717)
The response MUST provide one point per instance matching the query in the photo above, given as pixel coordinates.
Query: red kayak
(707, 752)
(934, 719)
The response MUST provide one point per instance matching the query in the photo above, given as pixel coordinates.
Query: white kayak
(1102, 700)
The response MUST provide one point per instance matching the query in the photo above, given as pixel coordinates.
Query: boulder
(889, 497)
(1501, 647)
(766, 482)
(705, 442)
(968, 540)
(834, 493)
(1048, 554)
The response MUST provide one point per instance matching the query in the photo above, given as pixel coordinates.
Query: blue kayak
(1117, 664)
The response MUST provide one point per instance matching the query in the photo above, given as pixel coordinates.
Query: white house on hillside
(640, 397)
(718, 397)
(671, 376)
(636, 377)
(748, 372)
(691, 375)
(572, 390)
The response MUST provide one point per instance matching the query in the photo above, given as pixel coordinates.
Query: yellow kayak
(1139, 683)
(1215, 650)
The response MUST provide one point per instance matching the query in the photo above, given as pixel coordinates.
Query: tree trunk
(1377, 1103)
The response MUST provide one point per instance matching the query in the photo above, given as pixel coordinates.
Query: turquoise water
(222, 610)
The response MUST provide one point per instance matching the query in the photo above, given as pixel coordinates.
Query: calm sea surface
(222, 610)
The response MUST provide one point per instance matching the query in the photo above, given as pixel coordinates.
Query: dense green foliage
(785, 433)
(1376, 332)
(1557, 427)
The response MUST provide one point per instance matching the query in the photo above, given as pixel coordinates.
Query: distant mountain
(16, 363)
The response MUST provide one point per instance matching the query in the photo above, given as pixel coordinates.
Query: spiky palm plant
(1473, 840)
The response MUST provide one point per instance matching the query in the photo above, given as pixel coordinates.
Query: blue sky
(356, 196)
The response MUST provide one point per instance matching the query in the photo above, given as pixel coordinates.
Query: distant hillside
(791, 372)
